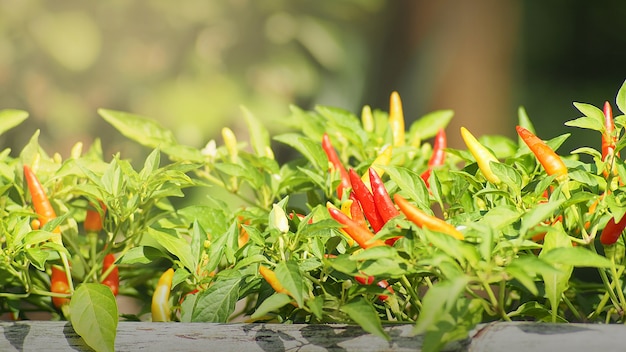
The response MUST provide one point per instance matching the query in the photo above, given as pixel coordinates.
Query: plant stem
(414, 297)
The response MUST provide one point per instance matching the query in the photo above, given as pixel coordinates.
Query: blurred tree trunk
(452, 54)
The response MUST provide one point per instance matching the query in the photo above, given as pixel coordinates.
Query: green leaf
(556, 283)
(454, 325)
(524, 121)
(501, 216)
(141, 255)
(593, 118)
(577, 257)
(526, 270)
(508, 175)
(439, 300)
(289, 275)
(10, 118)
(178, 246)
(620, 100)
(138, 128)
(538, 214)
(310, 149)
(363, 313)
(217, 303)
(428, 125)
(94, 316)
(259, 135)
(409, 182)
(535, 310)
(271, 304)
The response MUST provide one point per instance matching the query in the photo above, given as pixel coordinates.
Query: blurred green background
(192, 64)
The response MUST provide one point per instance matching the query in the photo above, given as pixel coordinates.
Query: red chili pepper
(384, 205)
(438, 156)
(368, 280)
(93, 218)
(360, 235)
(422, 219)
(337, 165)
(366, 200)
(113, 279)
(550, 161)
(59, 284)
(41, 203)
(612, 231)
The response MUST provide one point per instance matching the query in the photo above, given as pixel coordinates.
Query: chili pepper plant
(369, 223)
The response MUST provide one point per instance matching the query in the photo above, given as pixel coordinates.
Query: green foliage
(522, 239)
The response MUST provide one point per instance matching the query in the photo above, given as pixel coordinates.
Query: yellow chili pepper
(367, 119)
(482, 155)
(396, 119)
(383, 159)
(271, 279)
(161, 297)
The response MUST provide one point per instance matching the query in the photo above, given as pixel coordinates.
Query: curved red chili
(337, 165)
(438, 156)
(366, 200)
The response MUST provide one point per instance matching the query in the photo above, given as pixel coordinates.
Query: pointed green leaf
(259, 135)
(271, 304)
(556, 283)
(310, 149)
(94, 316)
(178, 246)
(577, 257)
(363, 313)
(138, 128)
(620, 100)
(217, 303)
(428, 125)
(439, 300)
(289, 275)
(409, 182)
(10, 118)
(538, 214)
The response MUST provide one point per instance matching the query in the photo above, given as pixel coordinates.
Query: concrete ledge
(140, 336)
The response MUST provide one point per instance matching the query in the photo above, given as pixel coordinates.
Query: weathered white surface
(145, 336)
(59, 336)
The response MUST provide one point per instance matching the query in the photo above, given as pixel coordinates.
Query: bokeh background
(192, 64)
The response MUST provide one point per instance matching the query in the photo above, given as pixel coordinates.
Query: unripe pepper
(160, 298)
(482, 155)
(424, 220)
(396, 119)
(367, 119)
(550, 161)
(337, 165)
